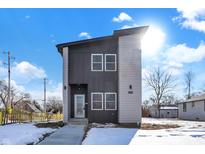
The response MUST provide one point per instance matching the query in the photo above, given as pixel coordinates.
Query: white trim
(75, 115)
(66, 91)
(111, 62)
(96, 62)
(115, 100)
(92, 100)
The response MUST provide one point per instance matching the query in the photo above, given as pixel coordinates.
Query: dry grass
(147, 126)
(50, 124)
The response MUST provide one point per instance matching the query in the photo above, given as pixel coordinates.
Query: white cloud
(175, 58)
(129, 26)
(191, 18)
(181, 53)
(17, 87)
(122, 17)
(173, 67)
(55, 90)
(85, 35)
(25, 72)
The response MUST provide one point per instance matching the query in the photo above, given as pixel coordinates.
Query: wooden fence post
(30, 116)
(1, 117)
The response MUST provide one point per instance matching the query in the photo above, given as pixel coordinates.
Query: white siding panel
(129, 63)
(192, 113)
(65, 83)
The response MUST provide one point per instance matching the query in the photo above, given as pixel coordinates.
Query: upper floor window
(97, 62)
(110, 62)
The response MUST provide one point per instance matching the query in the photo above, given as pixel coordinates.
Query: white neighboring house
(168, 111)
(193, 109)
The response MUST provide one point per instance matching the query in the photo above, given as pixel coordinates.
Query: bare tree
(54, 105)
(170, 99)
(15, 96)
(188, 79)
(161, 82)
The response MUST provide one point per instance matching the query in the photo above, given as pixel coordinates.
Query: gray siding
(80, 73)
(129, 62)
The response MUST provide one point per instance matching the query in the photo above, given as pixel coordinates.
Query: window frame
(115, 101)
(110, 62)
(92, 100)
(204, 105)
(193, 104)
(184, 107)
(92, 62)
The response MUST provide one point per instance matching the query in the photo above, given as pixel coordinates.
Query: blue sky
(31, 36)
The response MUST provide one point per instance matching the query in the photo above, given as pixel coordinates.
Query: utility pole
(9, 77)
(8, 103)
(44, 94)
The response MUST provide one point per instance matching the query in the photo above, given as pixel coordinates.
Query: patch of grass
(147, 126)
(50, 124)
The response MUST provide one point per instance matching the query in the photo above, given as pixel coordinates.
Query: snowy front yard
(109, 136)
(189, 132)
(22, 134)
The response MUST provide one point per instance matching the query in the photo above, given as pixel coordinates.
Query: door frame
(75, 106)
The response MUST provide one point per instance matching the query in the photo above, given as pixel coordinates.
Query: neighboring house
(166, 111)
(102, 77)
(193, 109)
(27, 106)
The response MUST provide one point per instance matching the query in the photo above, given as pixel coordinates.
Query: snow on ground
(190, 132)
(109, 136)
(106, 125)
(22, 133)
(183, 123)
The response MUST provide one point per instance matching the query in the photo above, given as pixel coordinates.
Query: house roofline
(116, 33)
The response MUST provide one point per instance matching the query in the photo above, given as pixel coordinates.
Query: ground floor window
(110, 101)
(204, 105)
(97, 101)
(184, 107)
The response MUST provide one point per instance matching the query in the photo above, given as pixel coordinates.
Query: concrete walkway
(68, 135)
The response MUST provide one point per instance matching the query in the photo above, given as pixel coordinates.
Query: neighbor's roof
(116, 33)
(194, 99)
(169, 108)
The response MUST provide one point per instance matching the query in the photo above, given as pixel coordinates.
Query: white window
(110, 101)
(96, 101)
(110, 62)
(97, 62)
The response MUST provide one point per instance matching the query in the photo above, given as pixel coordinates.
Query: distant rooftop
(168, 108)
(195, 98)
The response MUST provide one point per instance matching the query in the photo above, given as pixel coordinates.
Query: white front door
(79, 101)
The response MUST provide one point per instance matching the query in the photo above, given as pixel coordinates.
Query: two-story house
(102, 77)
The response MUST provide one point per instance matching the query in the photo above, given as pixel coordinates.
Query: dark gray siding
(80, 73)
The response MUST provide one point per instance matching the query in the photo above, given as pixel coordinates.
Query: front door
(79, 101)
